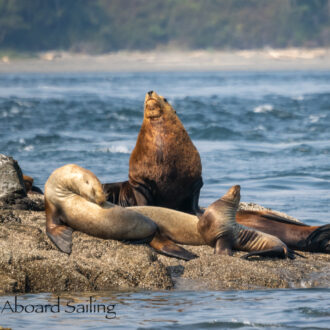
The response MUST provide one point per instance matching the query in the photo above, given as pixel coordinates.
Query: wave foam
(263, 108)
(116, 149)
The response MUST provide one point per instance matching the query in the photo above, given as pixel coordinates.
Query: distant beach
(172, 60)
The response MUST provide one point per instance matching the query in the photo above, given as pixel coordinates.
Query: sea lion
(220, 218)
(161, 173)
(165, 168)
(296, 235)
(74, 199)
(29, 187)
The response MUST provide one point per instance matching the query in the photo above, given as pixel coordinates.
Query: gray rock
(11, 179)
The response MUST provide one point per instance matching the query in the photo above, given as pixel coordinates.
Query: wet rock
(11, 179)
(214, 272)
(29, 262)
(35, 202)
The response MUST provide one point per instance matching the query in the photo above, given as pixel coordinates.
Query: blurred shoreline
(268, 59)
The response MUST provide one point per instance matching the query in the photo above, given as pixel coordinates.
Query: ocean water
(267, 131)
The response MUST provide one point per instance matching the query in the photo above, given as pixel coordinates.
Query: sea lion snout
(153, 108)
(233, 195)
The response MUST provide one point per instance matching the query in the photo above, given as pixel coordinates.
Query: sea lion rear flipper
(165, 246)
(61, 236)
(319, 240)
(276, 252)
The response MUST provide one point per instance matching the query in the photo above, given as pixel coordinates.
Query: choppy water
(268, 132)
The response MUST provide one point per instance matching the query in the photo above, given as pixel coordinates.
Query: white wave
(116, 149)
(315, 119)
(28, 148)
(263, 108)
(14, 110)
(298, 98)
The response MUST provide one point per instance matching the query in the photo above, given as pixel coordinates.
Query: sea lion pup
(73, 200)
(219, 218)
(165, 168)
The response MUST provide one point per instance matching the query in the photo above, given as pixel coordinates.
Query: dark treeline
(110, 25)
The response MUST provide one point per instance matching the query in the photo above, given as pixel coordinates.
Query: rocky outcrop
(29, 262)
(11, 179)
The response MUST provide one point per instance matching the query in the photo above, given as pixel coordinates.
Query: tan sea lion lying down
(165, 170)
(75, 200)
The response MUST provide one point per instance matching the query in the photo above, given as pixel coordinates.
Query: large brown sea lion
(74, 199)
(165, 170)
(165, 167)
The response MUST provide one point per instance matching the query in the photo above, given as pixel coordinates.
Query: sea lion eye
(165, 100)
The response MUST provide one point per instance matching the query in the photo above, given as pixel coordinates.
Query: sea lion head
(73, 179)
(219, 218)
(157, 107)
(232, 196)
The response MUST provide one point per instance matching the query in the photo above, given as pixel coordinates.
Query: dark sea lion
(29, 187)
(165, 167)
(75, 200)
(162, 174)
(297, 235)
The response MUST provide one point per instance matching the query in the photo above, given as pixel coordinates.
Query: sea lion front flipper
(223, 246)
(61, 236)
(165, 246)
(196, 188)
(276, 252)
(59, 233)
